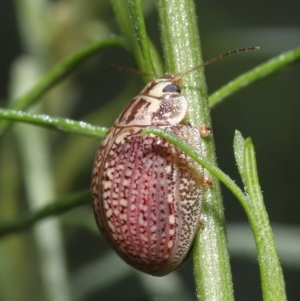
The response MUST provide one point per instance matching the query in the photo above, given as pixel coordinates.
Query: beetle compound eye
(172, 88)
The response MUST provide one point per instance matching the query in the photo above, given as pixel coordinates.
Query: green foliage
(46, 176)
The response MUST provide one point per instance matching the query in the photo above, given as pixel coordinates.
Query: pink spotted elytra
(147, 194)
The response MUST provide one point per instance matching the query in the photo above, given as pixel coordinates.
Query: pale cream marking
(111, 226)
(123, 216)
(163, 182)
(156, 91)
(171, 231)
(144, 238)
(168, 169)
(120, 138)
(108, 213)
(128, 173)
(170, 198)
(106, 194)
(126, 182)
(153, 237)
(142, 222)
(148, 141)
(170, 244)
(120, 167)
(153, 228)
(143, 115)
(123, 202)
(107, 184)
(110, 173)
(130, 165)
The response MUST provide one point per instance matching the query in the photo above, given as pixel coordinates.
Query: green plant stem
(122, 15)
(60, 71)
(57, 123)
(263, 71)
(56, 207)
(273, 286)
(180, 39)
(139, 27)
(130, 17)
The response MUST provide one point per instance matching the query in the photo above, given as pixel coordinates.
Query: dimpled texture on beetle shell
(147, 196)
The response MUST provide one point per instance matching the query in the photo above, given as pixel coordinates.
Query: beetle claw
(205, 130)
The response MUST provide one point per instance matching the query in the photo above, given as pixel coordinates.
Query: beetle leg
(205, 130)
(207, 183)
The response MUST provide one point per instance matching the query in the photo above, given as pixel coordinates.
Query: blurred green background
(65, 258)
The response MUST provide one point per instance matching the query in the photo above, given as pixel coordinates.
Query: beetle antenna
(217, 58)
(131, 70)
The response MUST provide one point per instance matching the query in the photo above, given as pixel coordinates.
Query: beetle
(147, 194)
